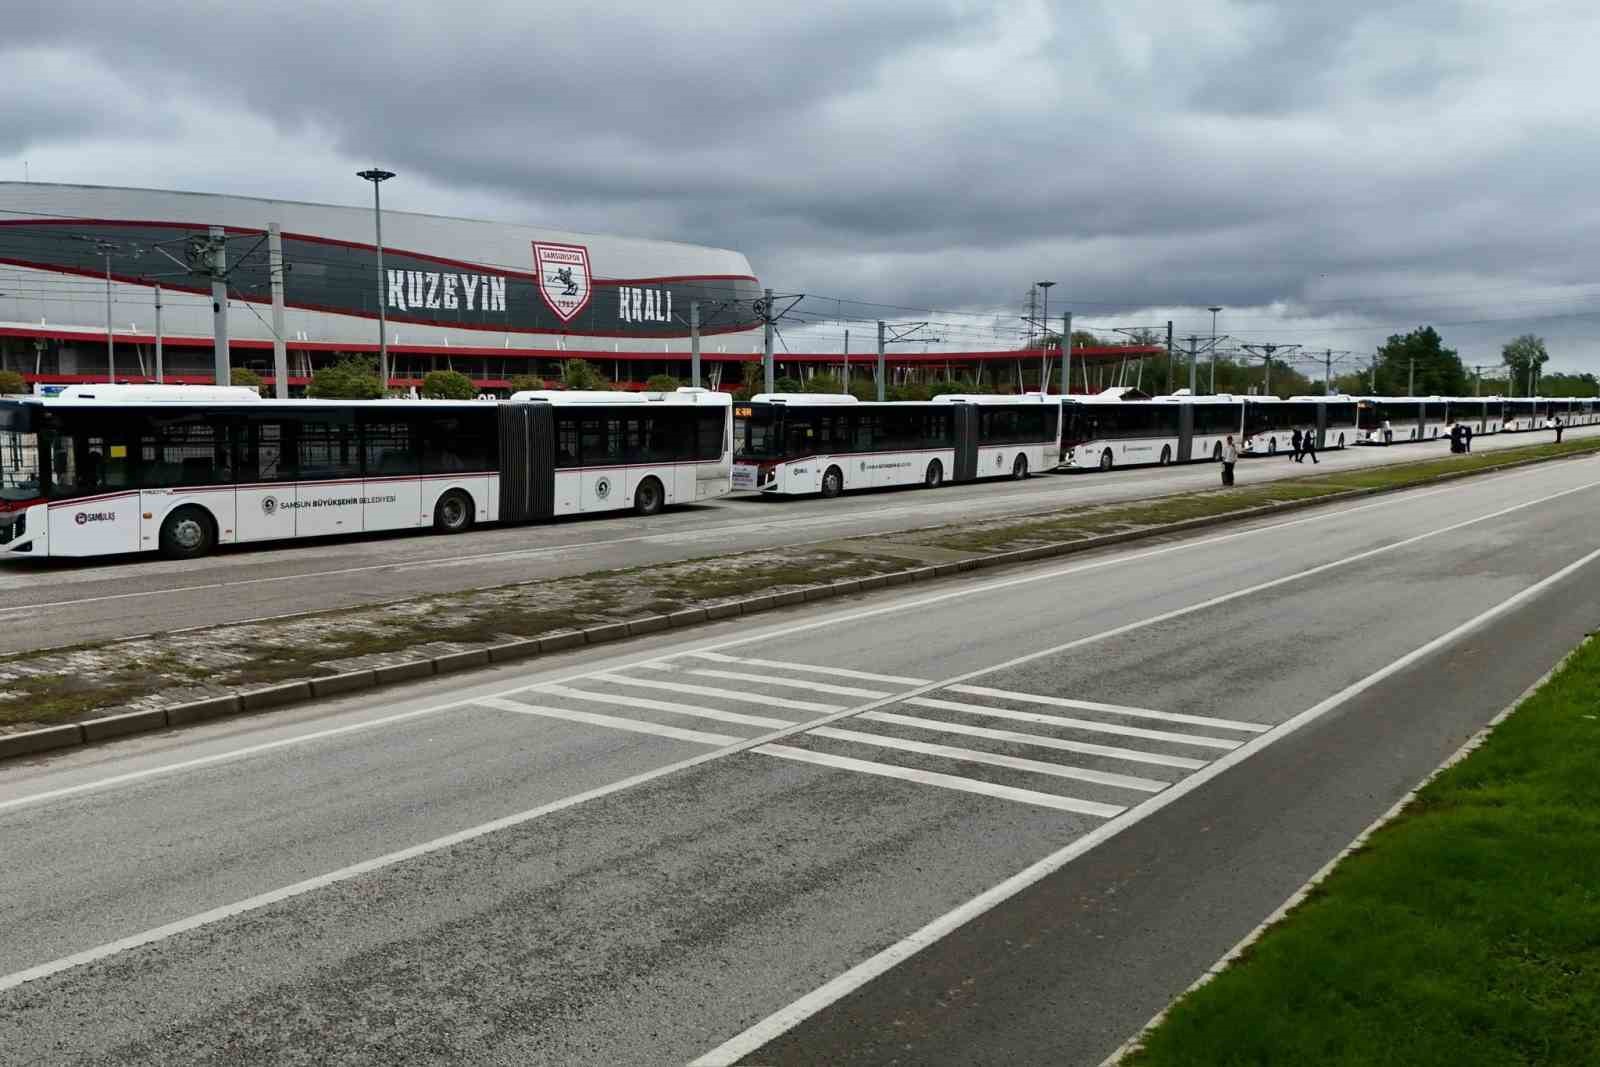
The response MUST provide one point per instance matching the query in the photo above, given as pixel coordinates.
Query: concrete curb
(125, 723)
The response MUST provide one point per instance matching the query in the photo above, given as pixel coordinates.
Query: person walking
(1308, 446)
(1466, 439)
(1230, 456)
(1295, 441)
(1388, 433)
(1559, 427)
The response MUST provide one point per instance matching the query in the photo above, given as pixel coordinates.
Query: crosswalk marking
(610, 721)
(1226, 744)
(708, 691)
(767, 679)
(945, 781)
(972, 755)
(1114, 709)
(806, 668)
(1086, 748)
(675, 708)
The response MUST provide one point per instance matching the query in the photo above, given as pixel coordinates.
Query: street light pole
(1044, 344)
(1214, 309)
(377, 177)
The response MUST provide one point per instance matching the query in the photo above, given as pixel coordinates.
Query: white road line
(944, 781)
(1185, 546)
(1111, 709)
(664, 705)
(1227, 744)
(708, 691)
(994, 759)
(612, 722)
(782, 683)
(839, 672)
(886, 959)
(1086, 748)
(786, 1018)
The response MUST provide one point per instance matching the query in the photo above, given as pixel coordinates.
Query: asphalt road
(640, 856)
(66, 601)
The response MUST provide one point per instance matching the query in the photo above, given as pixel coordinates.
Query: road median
(60, 697)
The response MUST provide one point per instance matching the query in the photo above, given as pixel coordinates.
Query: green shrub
(352, 378)
(661, 383)
(11, 382)
(581, 374)
(448, 385)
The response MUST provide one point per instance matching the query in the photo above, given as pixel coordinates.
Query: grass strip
(1013, 532)
(1466, 931)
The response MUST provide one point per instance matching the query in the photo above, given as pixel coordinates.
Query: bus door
(966, 416)
(1185, 433)
(392, 489)
(1322, 424)
(265, 500)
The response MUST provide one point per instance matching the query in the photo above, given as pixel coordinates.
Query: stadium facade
(493, 300)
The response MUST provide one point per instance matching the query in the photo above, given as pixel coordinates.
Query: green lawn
(1467, 931)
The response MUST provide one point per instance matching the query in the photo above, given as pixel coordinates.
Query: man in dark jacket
(1295, 441)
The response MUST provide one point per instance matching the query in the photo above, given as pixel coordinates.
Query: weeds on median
(1467, 931)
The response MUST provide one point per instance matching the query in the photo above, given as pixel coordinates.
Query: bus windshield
(757, 433)
(19, 465)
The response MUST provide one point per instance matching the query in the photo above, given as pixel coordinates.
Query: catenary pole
(694, 343)
(766, 359)
(1327, 373)
(880, 359)
(221, 359)
(1194, 363)
(111, 345)
(280, 350)
(159, 378)
(847, 360)
(1066, 353)
(1171, 381)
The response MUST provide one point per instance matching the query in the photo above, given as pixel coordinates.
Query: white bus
(1270, 423)
(792, 443)
(1480, 414)
(110, 469)
(1105, 431)
(1386, 420)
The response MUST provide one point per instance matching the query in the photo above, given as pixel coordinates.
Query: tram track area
(650, 856)
(68, 603)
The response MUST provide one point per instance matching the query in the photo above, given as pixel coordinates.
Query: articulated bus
(1385, 420)
(1102, 432)
(1270, 423)
(1479, 414)
(117, 468)
(791, 443)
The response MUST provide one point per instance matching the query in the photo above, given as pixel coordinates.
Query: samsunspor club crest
(563, 277)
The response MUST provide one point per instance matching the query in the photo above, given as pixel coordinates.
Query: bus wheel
(453, 513)
(1216, 452)
(1166, 455)
(1105, 460)
(188, 533)
(1019, 467)
(832, 482)
(647, 498)
(935, 476)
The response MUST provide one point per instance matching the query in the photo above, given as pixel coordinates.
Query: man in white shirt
(1230, 456)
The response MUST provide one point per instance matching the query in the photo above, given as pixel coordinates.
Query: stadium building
(492, 300)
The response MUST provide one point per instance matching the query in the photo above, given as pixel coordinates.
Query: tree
(448, 385)
(661, 383)
(750, 381)
(352, 378)
(1084, 339)
(11, 382)
(824, 383)
(526, 383)
(581, 374)
(246, 377)
(787, 385)
(1523, 356)
(1438, 370)
(1558, 384)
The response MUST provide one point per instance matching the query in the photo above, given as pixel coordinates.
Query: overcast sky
(1330, 173)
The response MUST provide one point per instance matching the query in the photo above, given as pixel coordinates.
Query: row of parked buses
(110, 469)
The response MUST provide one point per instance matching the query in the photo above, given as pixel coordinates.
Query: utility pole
(847, 361)
(1267, 351)
(694, 343)
(106, 249)
(377, 177)
(159, 378)
(280, 351)
(1044, 341)
(1214, 309)
(1170, 379)
(881, 342)
(1411, 378)
(1066, 354)
(1194, 364)
(1327, 373)
(217, 262)
(766, 359)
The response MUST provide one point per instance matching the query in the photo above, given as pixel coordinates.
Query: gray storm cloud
(1391, 163)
